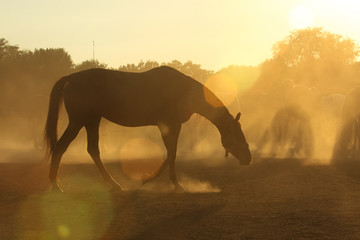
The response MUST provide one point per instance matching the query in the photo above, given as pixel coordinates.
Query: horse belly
(133, 113)
(130, 119)
(144, 113)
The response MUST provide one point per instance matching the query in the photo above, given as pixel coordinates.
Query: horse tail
(56, 99)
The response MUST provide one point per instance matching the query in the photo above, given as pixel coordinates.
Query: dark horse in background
(347, 145)
(290, 133)
(163, 97)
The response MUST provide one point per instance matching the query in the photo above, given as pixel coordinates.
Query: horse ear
(237, 118)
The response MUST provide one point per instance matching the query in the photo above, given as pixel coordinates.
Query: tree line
(26, 77)
(311, 57)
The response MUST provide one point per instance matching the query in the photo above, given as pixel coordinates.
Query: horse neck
(216, 113)
(220, 119)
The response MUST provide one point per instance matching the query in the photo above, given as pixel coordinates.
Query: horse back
(131, 99)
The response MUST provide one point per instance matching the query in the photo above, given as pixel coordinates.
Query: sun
(301, 17)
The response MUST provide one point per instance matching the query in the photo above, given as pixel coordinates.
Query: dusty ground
(272, 199)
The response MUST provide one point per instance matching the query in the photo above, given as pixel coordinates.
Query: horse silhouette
(290, 133)
(162, 97)
(347, 145)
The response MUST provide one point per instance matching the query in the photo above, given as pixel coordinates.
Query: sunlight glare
(63, 231)
(301, 17)
(48, 215)
(224, 87)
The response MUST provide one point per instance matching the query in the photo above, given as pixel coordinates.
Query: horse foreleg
(92, 129)
(68, 136)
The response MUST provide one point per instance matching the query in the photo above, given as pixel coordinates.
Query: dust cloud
(291, 104)
(295, 121)
(302, 122)
(196, 186)
(190, 185)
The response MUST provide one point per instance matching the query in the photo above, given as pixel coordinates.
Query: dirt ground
(271, 199)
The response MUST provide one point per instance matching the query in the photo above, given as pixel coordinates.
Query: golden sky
(212, 33)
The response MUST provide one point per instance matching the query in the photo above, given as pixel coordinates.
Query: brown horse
(162, 96)
(289, 134)
(292, 132)
(347, 145)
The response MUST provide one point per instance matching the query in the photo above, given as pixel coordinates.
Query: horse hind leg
(170, 138)
(170, 135)
(62, 144)
(92, 129)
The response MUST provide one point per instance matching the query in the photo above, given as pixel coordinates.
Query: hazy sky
(212, 33)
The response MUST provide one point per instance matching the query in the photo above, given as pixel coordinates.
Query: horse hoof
(179, 189)
(117, 187)
(144, 181)
(146, 178)
(57, 189)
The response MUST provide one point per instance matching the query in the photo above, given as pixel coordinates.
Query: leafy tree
(141, 67)
(306, 46)
(39, 69)
(174, 64)
(193, 70)
(8, 56)
(26, 77)
(55, 58)
(88, 64)
(7, 50)
(311, 57)
(272, 75)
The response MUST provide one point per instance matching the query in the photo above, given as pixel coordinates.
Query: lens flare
(224, 87)
(63, 231)
(49, 215)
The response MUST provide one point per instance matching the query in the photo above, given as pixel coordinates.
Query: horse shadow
(157, 223)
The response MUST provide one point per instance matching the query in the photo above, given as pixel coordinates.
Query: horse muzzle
(244, 157)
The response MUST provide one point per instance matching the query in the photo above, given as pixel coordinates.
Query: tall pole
(93, 51)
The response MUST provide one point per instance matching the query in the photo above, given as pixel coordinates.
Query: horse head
(234, 142)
